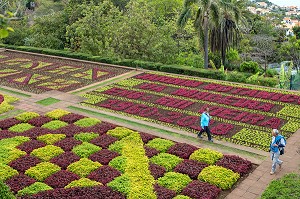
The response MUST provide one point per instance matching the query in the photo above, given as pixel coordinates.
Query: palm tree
(206, 13)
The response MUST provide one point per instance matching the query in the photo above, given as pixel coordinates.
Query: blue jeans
(275, 160)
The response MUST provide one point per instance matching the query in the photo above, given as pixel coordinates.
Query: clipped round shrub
(87, 122)
(118, 163)
(174, 181)
(7, 155)
(182, 150)
(190, 167)
(51, 138)
(47, 153)
(42, 171)
(85, 149)
(34, 188)
(219, 176)
(235, 163)
(85, 137)
(250, 66)
(57, 113)
(83, 182)
(119, 132)
(7, 172)
(157, 171)
(55, 124)
(206, 155)
(19, 128)
(121, 184)
(83, 167)
(168, 161)
(164, 193)
(25, 117)
(160, 144)
(198, 189)
(117, 146)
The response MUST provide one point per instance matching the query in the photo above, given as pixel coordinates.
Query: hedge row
(177, 69)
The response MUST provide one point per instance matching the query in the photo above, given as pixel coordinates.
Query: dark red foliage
(182, 150)
(100, 128)
(190, 167)
(235, 163)
(29, 146)
(70, 130)
(104, 156)
(7, 123)
(164, 193)
(157, 171)
(71, 118)
(104, 140)
(97, 192)
(19, 182)
(201, 190)
(65, 159)
(25, 162)
(147, 137)
(39, 121)
(150, 152)
(6, 134)
(37, 131)
(61, 179)
(67, 144)
(104, 174)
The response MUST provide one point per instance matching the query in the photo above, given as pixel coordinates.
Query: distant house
(288, 24)
(262, 4)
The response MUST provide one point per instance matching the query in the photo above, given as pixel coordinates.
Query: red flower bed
(29, 146)
(100, 128)
(25, 162)
(201, 190)
(235, 163)
(61, 179)
(182, 150)
(190, 167)
(164, 193)
(39, 121)
(147, 137)
(104, 140)
(70, 130)
(6, 134)
(104, 174)
(71, 118)
(19, 182)
(150, 152)
(7, 123)
(65, 159)
(67, 144)
(36, 132)
(104, 156)
(157, 171)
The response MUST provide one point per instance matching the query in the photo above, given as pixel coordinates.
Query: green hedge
(177, 69)
(5, 191)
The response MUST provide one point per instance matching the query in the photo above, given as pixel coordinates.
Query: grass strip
(103, 83)
(48, 101)
(14, 92)
(166, 132)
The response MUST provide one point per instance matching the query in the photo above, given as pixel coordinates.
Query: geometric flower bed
(127, 164)
(242, 114)
(38, 74)
(5, 101)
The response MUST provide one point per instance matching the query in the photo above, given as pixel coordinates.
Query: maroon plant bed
(104, 156)
(104, 174)
(146, 137)
(29, 146)
(150, 152)
(98, 192)
(61, 179)
(104, 140)
(39, 121)
(65, 159)
(36, 132)
(71, 118)
(6, 134)
(157, 171)
(67, 144)
(100, 128)
(182, 150)
(70, 130)
(235, 163)
(190, 167)
(7, 123)
(19, 182)
(164, 193)
(25, 162)
(201, 190)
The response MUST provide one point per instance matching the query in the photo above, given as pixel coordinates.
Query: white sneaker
(272, 172)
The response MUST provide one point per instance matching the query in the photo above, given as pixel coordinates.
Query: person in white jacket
(277, 144)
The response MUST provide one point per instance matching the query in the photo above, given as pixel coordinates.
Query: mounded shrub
(160, 144)
(104, 156)
(83, 167)
(7, 123)
(34, 188)
(7, 172)
(157, 171)
(39, 121)
(42, 170)
(118, 163)
(18, 183)
(67, 144)
(119, 132)
(65, 159)
(83, 182)
(198, 189)
(182, 150)
(87, 122)
(25, 162)
(51, 138)
(168, 161)
(190, 167)
(19, 128)
(54, 125)
(235, 163)
(206, 155)
(121, 184)
(71, 118)
(47, 153)
(164, 193)
(57, 113)
(85, 137)
(104, 141)
(174, 181)
(104, 174)
(219, 176)
(61, 179)
(250, 67)
(25, 117)
(29, 146)
(85, 149)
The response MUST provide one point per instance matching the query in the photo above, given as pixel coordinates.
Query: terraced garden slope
(66, 155)
(38, 74)
(242, 114)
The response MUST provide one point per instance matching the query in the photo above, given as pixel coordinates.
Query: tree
(206, 14)
(291, 49)
(4, 24)
(296, 31)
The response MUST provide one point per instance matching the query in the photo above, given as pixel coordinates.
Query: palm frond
(184, 16)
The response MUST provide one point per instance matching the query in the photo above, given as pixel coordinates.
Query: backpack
(281, 149)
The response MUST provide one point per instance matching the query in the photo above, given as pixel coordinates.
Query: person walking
(278, 141)
(204, 122)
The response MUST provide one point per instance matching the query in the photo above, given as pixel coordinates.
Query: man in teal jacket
(277, 143)
(204, 122)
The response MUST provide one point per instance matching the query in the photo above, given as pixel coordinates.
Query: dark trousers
(205, 129)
